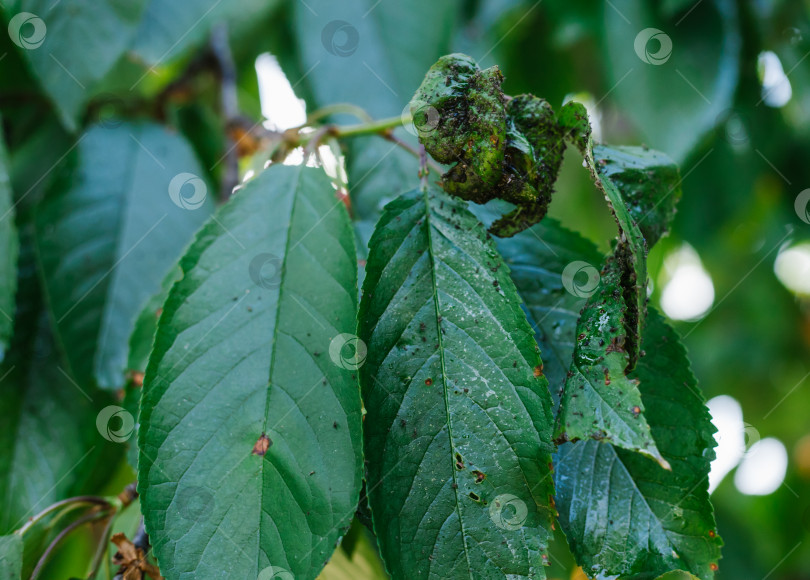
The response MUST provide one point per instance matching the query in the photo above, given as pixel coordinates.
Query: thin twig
(423, 167)
(81, 499)
(337, 109)
(94, 515)
(389, 135)
(101, 549)
(129, 494)
(221, 50)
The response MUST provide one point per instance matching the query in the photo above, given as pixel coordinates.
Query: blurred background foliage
(731, 104)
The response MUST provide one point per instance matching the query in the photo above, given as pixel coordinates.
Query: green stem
(382, 128)
(337, 109)
(87, 518)
(82, 499)
(371, 128)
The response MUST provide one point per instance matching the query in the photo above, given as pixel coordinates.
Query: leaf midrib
(440, 340)
(274, 343)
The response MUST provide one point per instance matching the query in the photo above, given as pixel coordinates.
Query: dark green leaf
(624, 515)
(378, 173)
(40, 146)
(9, 248)
(250, 435)
(641, 187)
(170, 29)
(552, 268)
(11, 552)
(72, 45)
(48, 421)
(369, 44)
(108, 233)
(140, 347)
(648, 182)
(459, 416)
(677, 575)
(631, 251)
(599, 400)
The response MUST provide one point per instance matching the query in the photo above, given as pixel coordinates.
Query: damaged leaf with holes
(646, 520)
(600, 401)
(459, 415)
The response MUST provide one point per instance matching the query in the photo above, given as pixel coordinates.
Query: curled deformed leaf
(599, 400)
(623, 515)
(501, 147)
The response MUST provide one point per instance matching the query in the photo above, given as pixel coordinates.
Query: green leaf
(641, 187)
(378, 174)
(70, 46)
(369, 44)
(47, 420)
(108, 233)
(140, 347)
(143, 333)
(169, 29)
(648, 183)
(362, 562)
(677, 575)
(631, 252)
(250, 435)
(48, 433)
(599, 400)
(690, 73)
(622, 514)
(9, 249)
(11, 553)
(550, 267)
(459, 416)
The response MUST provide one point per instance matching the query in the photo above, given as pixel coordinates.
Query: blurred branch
(93, 515)
(221, 50)
(78, 500)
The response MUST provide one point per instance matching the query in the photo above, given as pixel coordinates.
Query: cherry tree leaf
(250, 455)
(459, 415)
(108, 232)
(622, 514)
